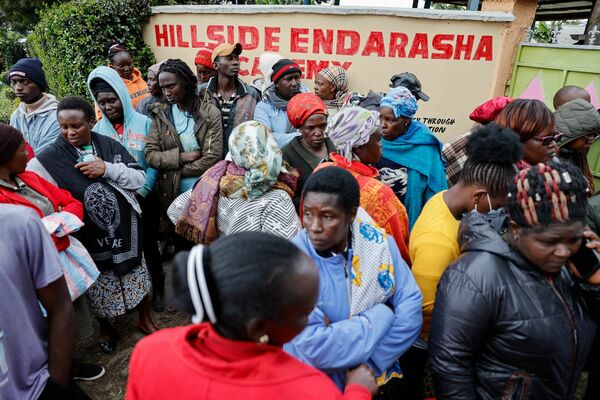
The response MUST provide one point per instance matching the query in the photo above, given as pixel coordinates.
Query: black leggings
(55, 391)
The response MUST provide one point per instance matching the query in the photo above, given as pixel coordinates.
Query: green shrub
(71, 38)
(8, 103)
(11, 48)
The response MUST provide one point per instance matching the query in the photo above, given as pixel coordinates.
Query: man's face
(25, 90)
(228, 65)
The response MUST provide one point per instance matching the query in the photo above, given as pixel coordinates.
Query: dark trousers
(150, 228)
(593, 367)
(54, 391)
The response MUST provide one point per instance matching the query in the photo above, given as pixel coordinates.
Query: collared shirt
(31, 195)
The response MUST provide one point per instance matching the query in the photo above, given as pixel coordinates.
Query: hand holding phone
(586, 262)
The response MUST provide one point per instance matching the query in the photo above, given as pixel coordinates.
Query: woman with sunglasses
(579, 122)
(535, 125)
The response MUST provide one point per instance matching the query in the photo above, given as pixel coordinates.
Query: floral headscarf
(401, 101)
(253, 147)
(302, 106)
(350, 128)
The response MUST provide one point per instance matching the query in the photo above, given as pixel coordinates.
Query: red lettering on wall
(230, 38)
(299, 43)
(172, 34)
(314, 66)
(215, 33)
(270, 39)
(462, 47)
(251, 42)
(398, 42)
(322, 41)
(485, 48)
(162, 35)
(445, 49)
(345, 65)
(419, 47)
(180, 41)
(375, 44)
(349, 49)
(194, 36)
(256, 67)
(243, 61)
(301, 65)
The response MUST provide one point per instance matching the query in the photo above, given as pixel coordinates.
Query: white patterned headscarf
(253, 147)
(350, 128)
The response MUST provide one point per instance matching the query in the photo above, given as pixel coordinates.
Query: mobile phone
(586, 260)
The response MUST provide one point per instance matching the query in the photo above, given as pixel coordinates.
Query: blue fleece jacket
(378, 336)
(136, 126)
(40, 127)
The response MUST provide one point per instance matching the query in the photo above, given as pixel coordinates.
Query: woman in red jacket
(26, 188)
(256, 290)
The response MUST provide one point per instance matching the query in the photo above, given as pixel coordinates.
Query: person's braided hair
(492, 153)
(547, 193)
(189, 81)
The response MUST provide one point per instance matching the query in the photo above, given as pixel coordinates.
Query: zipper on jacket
(550, 281)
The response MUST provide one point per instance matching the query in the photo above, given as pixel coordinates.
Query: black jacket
(502, 329)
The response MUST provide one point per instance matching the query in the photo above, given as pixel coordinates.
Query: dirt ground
(112, 385)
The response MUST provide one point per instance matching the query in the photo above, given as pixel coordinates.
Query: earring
(264, 339)
(515, 237)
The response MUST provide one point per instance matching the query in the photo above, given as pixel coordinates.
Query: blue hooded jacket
(136, 126)
(378, 337)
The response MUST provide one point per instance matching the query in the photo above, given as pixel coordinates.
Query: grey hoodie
(39, 128)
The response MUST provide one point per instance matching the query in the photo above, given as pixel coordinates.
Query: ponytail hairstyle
(238, 278)
(548, 193)
(188, 80)
(528, 118)
(492, 153)
(113, 48)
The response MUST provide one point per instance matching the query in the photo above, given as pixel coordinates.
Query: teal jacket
(136, 126)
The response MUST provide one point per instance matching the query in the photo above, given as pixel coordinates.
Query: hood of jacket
(132, 120)
(575, 119)
(483, 232)
(49, 105)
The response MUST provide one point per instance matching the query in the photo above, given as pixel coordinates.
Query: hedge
(70, 39)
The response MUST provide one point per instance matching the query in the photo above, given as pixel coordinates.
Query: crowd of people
(327, 244)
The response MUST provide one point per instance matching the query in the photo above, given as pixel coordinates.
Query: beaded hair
(548, 193)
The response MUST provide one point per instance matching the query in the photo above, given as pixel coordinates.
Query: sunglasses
(548, 140)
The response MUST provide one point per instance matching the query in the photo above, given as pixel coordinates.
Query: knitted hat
(30, 68)
(203, 57)
(10, 140)
(284, 67)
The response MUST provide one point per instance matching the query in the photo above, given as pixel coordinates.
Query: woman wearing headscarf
(308, 114)
(100, 173)
(355, 133)
(271, 111)
(331, 85)
(256, 290)
(412, 163)
(253, 192)
(579, 123)
(146, 104)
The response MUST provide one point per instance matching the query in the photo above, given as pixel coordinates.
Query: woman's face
(548, 249)
(392, 127)
(17, 164)
(172, 88)
(535, 151)
(324, 89)
(204, 73)
(75, 127)
(583, 143)
(153, 84)
(123, 64)
(370, 153)
(303, 290)
(313, 131)
(110, 105)
(289, 85)
(326, 223)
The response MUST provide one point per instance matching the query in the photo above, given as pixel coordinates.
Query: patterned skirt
(112, 295)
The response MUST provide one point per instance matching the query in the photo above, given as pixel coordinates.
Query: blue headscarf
(401, 101)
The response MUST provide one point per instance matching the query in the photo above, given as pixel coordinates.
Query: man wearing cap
(204, 65)
(35, 116)
(411, 82)
(228, 93)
